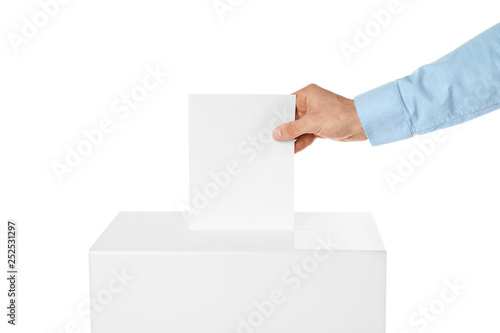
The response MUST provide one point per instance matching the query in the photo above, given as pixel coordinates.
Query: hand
(321, 114)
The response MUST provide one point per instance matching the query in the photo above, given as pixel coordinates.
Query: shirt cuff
(382, 115)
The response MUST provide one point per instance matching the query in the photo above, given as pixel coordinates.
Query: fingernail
(276, 134)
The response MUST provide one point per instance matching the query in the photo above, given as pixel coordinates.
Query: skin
(321, 114)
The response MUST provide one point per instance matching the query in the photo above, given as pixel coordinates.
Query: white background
(442, 222)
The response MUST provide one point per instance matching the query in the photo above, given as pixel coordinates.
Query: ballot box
(149, 272)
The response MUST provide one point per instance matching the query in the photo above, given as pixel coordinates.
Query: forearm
(460, 86)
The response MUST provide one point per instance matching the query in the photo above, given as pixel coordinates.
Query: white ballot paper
(240, 177)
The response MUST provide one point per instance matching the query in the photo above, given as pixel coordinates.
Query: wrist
(382, 115)
(357, 129)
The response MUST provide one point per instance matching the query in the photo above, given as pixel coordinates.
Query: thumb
(293, 129)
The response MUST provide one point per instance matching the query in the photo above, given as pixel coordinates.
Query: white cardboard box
(150, 273)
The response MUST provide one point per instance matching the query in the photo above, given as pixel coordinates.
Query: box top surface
(169, 232)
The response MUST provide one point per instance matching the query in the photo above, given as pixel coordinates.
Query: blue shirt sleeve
(460, 86)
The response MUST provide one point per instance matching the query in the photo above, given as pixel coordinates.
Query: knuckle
(312, 119)
(290, 128)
